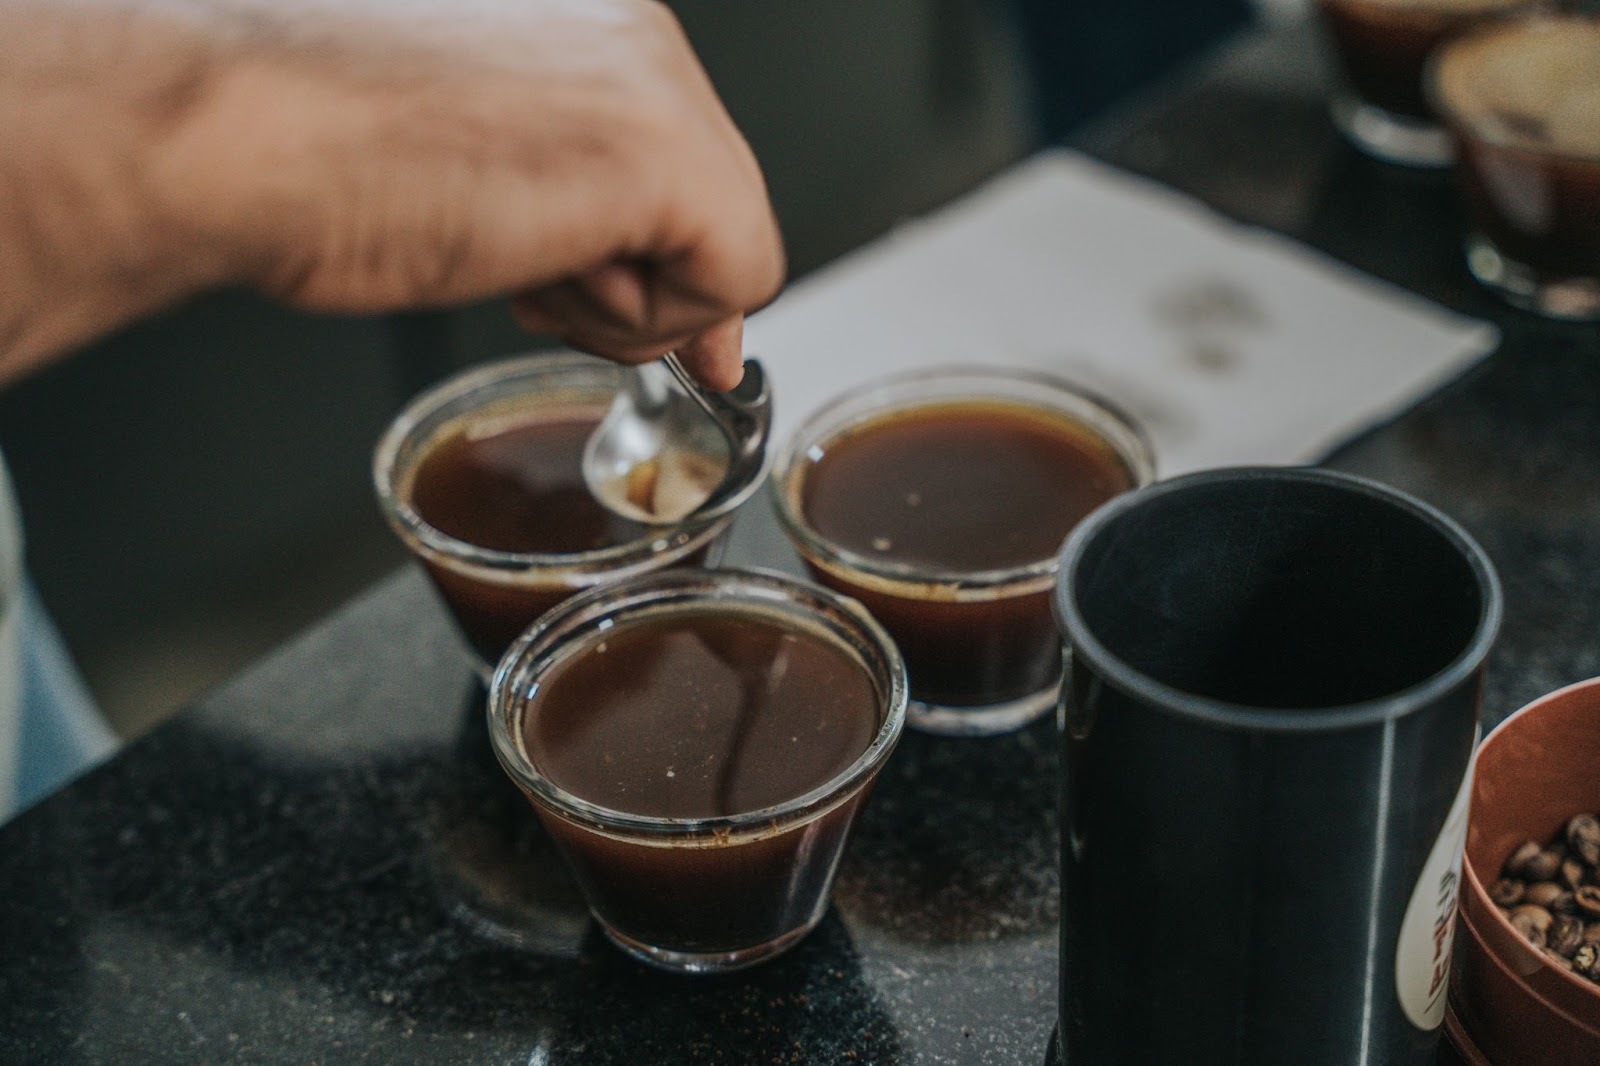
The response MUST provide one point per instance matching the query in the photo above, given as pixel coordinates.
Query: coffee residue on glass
(671, 485)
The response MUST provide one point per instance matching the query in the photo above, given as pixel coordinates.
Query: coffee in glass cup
(481, 478)
(1522, 102)
(938, 499)
(699, 744)
(1382, 48)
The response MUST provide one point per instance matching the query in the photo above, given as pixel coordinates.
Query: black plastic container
(1269, 715)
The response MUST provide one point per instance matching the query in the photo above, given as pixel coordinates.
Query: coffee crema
(961, 487)
(700, 715)
(514, 483)
(1535, 86)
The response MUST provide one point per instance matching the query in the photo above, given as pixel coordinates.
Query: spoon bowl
(669, 449)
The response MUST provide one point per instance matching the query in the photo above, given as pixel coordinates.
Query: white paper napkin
(1229, 343)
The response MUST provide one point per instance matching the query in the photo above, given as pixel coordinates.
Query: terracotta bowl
(1511, 1006)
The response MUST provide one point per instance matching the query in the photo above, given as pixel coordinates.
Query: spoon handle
(697, 392)
(732, 410)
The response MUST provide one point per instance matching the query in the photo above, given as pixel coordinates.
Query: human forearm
(86, 94)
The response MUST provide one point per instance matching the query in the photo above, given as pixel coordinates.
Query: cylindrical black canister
(1269, 716)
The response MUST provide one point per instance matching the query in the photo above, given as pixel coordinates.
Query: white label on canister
(1422, 954)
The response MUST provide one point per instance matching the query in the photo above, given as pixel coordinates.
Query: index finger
(716, 357)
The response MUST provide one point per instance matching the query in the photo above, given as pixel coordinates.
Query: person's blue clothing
(50, 730)
(61, 732)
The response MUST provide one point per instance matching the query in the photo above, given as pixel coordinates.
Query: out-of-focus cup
(1511, 1005)
(699, 744)
(1522, 102)
(479, 477)
(939, 499)
(1383, 47)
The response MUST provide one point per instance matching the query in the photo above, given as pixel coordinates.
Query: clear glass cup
(1522, 102)
(981, 645)
(494, 594)
(1382, 47)
(697, 894)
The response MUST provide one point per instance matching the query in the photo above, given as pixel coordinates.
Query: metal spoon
(669, 448)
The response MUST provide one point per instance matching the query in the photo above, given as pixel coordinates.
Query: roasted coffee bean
(1551, 895)
(1565, 935)
(1543, 894)
(1520, 858)
(1545, 865)
(1532, 922)
(1507, 892)
(1587, 900)
(1583, 836)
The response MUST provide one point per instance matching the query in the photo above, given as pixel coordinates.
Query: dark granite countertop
(322, 863)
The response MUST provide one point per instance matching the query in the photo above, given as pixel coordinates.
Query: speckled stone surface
(322, 863)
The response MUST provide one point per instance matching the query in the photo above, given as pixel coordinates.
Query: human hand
(369, 156)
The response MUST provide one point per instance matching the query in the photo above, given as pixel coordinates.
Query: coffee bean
(1583, 836)
(1551, 895)
(1507, 892)
(1543, 894)
(1532, 922)
(1565, 935)
(1545, 865)
(1520, 858)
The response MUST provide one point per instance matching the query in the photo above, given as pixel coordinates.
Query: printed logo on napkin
(1422, 954)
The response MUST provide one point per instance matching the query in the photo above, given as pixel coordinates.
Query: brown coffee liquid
(1384, 46)
(516, 485)
(964, 486)
(700, 714)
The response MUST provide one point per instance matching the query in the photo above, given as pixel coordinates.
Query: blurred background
(195, 490)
